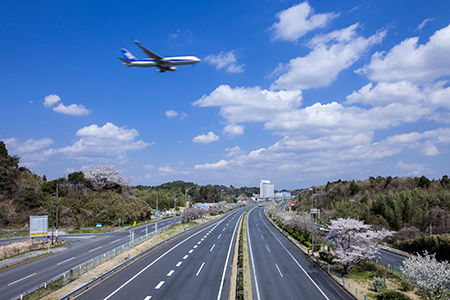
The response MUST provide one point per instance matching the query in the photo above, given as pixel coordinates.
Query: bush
(392, 295)
(327, 257)
(406, 286)
(317, 247)
(377, 284)
(307, 244)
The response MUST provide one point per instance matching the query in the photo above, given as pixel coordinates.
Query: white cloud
(216, 166)
(171, 114)
(31, 152)
(73, 110)
(165, 169)
(424, 22)
(415, 168)
(206, 138)
(250, 104)
(384, 93)
(412, 62)
(101, 142)
(225, 60)
(298, 20)
(236, 150)
(51, 100)
(233, 130)
(331, 54)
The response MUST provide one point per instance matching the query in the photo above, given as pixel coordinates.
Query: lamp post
(185, 209)
(312, 223)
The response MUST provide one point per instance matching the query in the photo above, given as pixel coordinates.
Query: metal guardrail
(68, 276)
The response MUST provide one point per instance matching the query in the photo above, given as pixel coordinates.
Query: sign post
(38, 226)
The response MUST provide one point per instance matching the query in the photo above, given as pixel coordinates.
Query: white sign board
(38, 226)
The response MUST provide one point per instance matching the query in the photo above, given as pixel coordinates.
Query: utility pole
(57, 206)
(174, 202)
(150, 204)
(53, 220)
(122, 205)
(312, 222)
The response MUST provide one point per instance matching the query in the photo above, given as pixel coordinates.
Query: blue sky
(299, 93)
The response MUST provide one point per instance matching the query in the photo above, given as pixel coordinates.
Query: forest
(418, 208)
(85, 199)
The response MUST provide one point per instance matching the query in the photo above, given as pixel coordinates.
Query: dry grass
(14, 249)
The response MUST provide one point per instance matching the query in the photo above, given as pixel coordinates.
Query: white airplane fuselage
(162, 63)
(168, 61)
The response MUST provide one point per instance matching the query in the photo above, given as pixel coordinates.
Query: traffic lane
(278, 277)
(391, 260)
(268, 280)
(208, 267)
(326, 286)
(151, 273)
(14, 281)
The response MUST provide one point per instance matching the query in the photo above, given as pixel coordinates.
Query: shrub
(392, 295)
(377, 284)
(307, 244)
(327, 257)
(406, 286)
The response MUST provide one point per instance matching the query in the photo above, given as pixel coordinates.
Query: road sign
(38, 226)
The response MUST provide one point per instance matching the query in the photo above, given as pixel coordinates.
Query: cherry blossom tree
(105, 176)
(431, 277)
(355, 241)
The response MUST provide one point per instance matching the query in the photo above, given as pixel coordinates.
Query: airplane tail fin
(127, 55)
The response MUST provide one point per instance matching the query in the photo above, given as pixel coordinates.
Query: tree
(105, 177)
(431, 277)
(76, 178)
(355, 241)
(3, 150)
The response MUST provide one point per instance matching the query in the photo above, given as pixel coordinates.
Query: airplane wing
(148, 52)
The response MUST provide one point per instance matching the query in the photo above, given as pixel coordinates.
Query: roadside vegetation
(95, 196)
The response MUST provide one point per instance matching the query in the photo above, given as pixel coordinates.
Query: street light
(312, 222)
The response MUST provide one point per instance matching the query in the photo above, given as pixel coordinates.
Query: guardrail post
(343, 281)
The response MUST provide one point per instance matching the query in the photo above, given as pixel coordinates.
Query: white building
(266, 189)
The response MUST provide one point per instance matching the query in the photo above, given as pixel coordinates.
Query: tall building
(266, 189)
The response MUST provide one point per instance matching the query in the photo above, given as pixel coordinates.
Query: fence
(68, 276)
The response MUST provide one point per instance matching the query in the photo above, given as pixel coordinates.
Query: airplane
(162, 63)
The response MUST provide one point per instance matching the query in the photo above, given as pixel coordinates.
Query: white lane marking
(199, 270)
(190, 251)
(267, 248)
(195, 246)
(159, 285)
(262, 236)
(224, 229)
(65, 261)
(251, 258)
(153, 262)
(21, 279)
(212, 248)
(219, 236)
(115, 241)
(199, 242)
(148, 298)
(228, 256)
(179, 263)
(186, 256)
(298, 264)
(170, 273)
(279, 270)
(94, 249)
(202, 239)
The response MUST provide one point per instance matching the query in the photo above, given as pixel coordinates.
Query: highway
(195, 265)
(80, 248)
(280, 270)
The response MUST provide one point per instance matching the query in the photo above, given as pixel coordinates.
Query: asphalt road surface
(80, 248)
(195, 265)
(280, 270)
